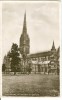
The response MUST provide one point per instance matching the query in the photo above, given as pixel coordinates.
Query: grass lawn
(31, 85)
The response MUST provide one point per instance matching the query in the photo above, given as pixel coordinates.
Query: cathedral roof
(41, 54)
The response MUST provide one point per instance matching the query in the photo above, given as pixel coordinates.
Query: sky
(42, 24)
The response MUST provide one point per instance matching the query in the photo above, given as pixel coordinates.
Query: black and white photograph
(31, 49)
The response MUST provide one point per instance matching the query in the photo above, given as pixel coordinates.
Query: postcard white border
(39, 98)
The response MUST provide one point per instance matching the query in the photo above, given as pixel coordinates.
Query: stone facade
(45, 62)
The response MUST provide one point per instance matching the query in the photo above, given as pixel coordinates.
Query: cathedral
(42, 62)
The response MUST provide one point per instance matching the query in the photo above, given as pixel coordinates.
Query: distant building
(42, 62)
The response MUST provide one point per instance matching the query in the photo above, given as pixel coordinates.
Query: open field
(31, 85)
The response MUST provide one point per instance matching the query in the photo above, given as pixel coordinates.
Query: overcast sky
(42, 24)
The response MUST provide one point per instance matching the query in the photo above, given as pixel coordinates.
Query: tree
(15, 59)
(4, 64)
(8, 54)
(3, 68)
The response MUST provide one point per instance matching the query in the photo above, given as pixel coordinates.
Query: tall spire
(24, 39)
(53, 46)
(24, 24)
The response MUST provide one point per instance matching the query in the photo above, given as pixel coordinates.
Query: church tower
(24, 40)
